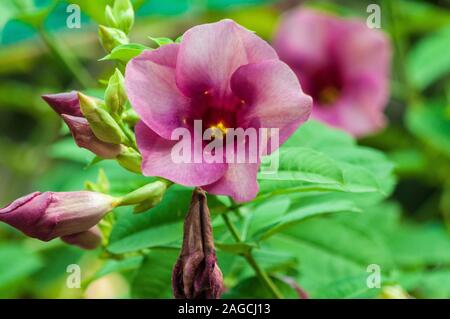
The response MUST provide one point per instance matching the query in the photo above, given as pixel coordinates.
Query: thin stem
(72, 65)
(260, 273)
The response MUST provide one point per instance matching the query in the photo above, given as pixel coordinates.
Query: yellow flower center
(328, 95)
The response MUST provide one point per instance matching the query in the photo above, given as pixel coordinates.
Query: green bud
(109, 17)
(130, 117)
(150, 193)
(102, 124)
(115, 95)
(111, 37)
(124, 14)
(130, 159)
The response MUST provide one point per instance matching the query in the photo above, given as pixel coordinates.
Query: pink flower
(48, 215)
(225, 76)
(67, 105)
(342, 64)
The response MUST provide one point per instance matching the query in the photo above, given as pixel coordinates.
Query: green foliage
(431, 124)
(125, 52)
(428, 61)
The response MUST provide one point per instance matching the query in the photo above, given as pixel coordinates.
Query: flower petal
(210, 53)
(89, 239)
(239, 182)
(151, 89)
(272, 96)
(64, 103)
(157, 161)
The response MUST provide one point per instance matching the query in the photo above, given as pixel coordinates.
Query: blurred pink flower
(225, 76)
(67, 105)
(342, 64)
(48, 215)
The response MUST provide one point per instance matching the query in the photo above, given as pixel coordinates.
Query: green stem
(411, 95)
(260, 273)
(72, 65)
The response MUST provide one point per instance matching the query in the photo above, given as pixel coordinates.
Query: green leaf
(125, 52)
(251, 288)
(235, 248)
(431, 124)
(160, 226)
(161, 41)
(319, 158)
(154, 277)
(420, 246)
(16, 264)
(304, 164)
(112, 266)
(304, 212)
(348, 288)
(428, 60)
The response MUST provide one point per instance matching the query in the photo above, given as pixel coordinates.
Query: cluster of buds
(119, 19)
(196, 274)
(97, 125)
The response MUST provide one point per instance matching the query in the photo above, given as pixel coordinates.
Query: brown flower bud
(196, 274)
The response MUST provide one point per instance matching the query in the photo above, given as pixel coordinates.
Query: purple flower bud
(48, 215)
(64, 103)
(85, 138)
(89, 239)
(67, 105)
(196, 274)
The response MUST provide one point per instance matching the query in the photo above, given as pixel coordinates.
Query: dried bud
(111, 37)
(48, 215)
(196, 274)
(89, 239)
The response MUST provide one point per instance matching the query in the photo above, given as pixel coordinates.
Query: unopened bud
(89, 239)
(101, 122)
(115, 95)
(54, 214)
(130, 159)
(121, 15)
(111, 37)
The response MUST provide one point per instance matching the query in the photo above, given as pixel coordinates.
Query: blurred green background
(39, 54)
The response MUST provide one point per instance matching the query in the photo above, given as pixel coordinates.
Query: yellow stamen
(220, 127)
(328, 95)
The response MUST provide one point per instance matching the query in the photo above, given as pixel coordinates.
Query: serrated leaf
(304, 164)
(304, 212)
